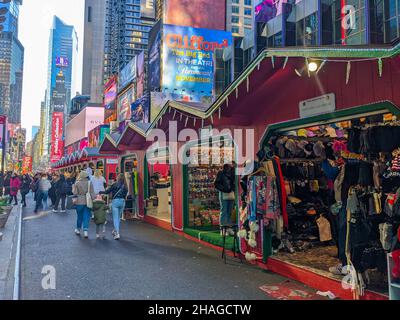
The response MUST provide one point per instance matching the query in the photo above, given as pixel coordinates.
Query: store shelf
(395, 285)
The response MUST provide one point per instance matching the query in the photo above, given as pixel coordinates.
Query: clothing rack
(298, 160)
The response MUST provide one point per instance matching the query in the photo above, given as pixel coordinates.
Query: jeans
(84, 216)
(118, 206)
(41, 200)
(61, 197)
(226, 210)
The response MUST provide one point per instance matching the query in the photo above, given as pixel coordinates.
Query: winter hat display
(319, 150)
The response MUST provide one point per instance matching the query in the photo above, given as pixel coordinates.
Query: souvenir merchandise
(327, 175)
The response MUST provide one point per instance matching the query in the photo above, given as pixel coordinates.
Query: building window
(247, 12)
(235, 1)
(235, 29)
(248, 21)
(247, 2)
(89, 14)
(235, 9)
(235, 19)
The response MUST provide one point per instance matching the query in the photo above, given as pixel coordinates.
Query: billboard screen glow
(57, 145)
(124, 104)
(188, 61)
(208, 14)
(110, 97)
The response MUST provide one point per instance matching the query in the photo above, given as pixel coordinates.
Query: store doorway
(130, 170)
(159, 187)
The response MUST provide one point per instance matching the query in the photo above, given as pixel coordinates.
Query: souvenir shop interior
(204, 163)
(130, 170)
(329, 195)
(158, 203)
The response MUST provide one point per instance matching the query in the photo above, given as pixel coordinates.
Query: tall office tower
(128, 23)
(62, 59)
(12, 61)
(93, 50)
(239, 18)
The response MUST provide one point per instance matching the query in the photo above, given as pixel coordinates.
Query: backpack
(34, 186)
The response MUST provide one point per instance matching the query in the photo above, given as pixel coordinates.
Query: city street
(148, 263)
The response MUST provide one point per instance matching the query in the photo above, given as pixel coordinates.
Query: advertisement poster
(188, 61)
(265, 10)
(207, 14)
(59, 94)
(127, 74)
(57, 144)
(3, 125)
(97, 135)
(124, 104)
(147, 9)
(26, 165)
(110, 97)
(154, 76)
(140, 75)
(141, 110)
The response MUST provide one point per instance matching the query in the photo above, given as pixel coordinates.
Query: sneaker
(117, 237)
(86, 234)
(114, 233)
(77, 232)
(55, 211)
(338, 270)
(97, 236)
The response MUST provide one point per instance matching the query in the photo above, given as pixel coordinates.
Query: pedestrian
(118, 193)
(1, 184)
(7, 179)
(225, 184)
(100, 216)
(61, 188)
(99, 183)
(90, 170)
(25, 187)
(81, 189)
(42, 193)
(15, 185)
(52, 192)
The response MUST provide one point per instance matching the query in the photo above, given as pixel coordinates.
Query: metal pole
(3, 154)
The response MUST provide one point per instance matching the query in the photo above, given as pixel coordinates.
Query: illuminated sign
(62, 62)
(57, 144)
(188, 61)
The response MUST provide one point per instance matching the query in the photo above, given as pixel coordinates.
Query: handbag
(89, 200)
(228, 196)
(71, 202)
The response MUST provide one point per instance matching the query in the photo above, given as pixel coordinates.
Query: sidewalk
(7, 255)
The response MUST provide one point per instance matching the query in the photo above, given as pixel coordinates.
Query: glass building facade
(11, 62)
(62, 59)
(128, 23)
(326, 22)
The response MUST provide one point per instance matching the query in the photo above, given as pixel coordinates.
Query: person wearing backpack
(119, 191)
(84, 192)
(61, 188)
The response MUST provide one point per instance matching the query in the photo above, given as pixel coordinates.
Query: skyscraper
(128, 23)
(11, 61)
(63, 50)
(93, 50)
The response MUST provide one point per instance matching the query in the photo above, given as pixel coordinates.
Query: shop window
(206, 161)
(158, 204)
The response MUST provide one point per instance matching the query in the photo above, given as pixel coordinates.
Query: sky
(36, 18)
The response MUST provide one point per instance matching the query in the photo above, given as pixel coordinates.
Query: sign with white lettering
(316, 106)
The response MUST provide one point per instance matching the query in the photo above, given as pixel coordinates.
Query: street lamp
(312, 66)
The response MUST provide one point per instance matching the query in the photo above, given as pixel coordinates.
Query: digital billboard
(206, 14)
(27, 165)
(59, 94)
(140, 75)
(140, 110)
(127, 74)
(57, 145)
(154, 76)
(62, 62)
(124, 104)
(266, 10)
(110, 97)
(188, 61)
(97, 135)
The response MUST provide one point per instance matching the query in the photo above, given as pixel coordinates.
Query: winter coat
(61, 187)
(26, 185)
(100, 212)
(118, 191)
(44, 185)
(15, 185)
(225, 182)
(80, 189)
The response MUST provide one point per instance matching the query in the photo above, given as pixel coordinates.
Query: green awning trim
(377, 107)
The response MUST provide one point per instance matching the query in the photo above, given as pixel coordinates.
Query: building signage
(57, 144)
(317, 106)
(127, 74)
(27, 165)
(62, 62)
(188, 61)
(140, 110)
(124, 104)
(110, 97)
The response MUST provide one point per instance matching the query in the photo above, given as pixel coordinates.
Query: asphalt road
(148, 263)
